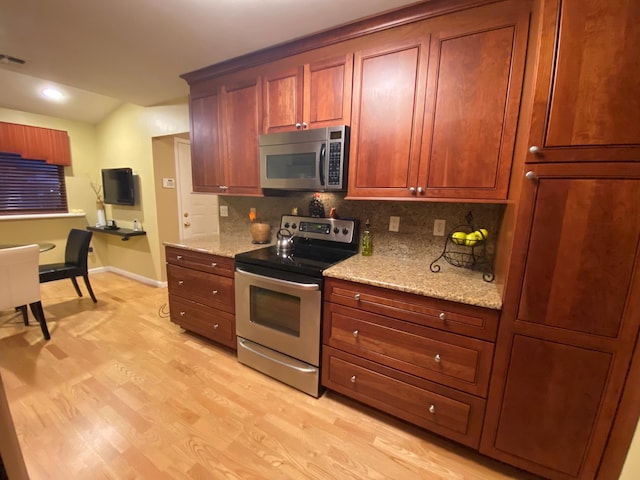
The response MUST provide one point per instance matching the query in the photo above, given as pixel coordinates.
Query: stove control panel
(331, 229)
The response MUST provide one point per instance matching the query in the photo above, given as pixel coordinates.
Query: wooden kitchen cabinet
(587, 94)
(224, 139)
(570, 319)
(436, 117)
(201, 294)
(314, 95)
(396, 352)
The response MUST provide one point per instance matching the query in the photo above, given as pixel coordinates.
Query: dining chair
(19, 283)
(75, 262)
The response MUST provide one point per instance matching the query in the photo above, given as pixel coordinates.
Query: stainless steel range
(279, 298)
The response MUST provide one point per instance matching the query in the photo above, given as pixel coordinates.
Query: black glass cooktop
(307, 260)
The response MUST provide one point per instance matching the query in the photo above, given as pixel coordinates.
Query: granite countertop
(226, 246)
(413, 276)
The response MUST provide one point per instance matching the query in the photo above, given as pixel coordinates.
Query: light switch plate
(438, 228)
(394, 224)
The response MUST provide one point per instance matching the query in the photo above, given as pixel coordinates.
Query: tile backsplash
(414, 240)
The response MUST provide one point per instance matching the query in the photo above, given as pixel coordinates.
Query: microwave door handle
(323, 154)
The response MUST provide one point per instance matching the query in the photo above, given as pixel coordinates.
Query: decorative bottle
(367, 244)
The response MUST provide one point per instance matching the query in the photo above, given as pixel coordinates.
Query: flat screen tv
(117, 186)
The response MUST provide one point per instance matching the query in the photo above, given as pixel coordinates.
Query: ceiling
(101, 54)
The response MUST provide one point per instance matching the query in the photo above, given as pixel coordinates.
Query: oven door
(279, 314)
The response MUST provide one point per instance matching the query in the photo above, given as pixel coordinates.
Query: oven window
(275, 310)
(289, 166)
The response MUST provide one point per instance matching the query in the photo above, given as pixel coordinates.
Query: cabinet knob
(530, 175)
(180, 282)
(534, 150)
(215, 326)
(412, 190)
(353, 379)
(357, 297)
(213, 265)
(178, 257)
(355, 333)
(182, 314)
(304, 125)
(432, 409)
(214, 292)
(437, 358)
(298, 125)
(442, 316)
(420, 190)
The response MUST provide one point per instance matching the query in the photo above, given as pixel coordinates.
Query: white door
(198, 212)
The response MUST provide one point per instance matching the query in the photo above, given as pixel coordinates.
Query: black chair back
(77, 249)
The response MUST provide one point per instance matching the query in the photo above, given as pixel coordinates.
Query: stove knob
(286, 225)
(294, 226)
(345, 231)
(336, 230)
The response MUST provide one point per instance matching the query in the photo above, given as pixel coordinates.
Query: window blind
(31, 186)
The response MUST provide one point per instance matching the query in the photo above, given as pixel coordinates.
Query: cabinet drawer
(211, 290)
(209, 322)
(444, 411)
(453, 360)
(204, 262)
(453, 317)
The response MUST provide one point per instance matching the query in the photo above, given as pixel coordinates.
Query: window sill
(38, 216)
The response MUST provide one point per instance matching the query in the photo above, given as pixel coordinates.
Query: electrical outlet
(394, 224)
(438, 228)
(252, 210)
(224, 211)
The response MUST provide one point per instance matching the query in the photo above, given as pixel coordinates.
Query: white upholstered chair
(20, 283)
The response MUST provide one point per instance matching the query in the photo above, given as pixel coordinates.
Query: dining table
(44, 246)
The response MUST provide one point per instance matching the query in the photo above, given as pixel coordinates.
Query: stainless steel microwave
(313, 159)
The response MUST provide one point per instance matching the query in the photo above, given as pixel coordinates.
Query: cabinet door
(327, 91)
(588, 88)
(282, 94)
(473, 107)
(242, 121)
(388, 107)
(570, 319)
(206, 160)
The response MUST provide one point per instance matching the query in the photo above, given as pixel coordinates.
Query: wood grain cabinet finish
(396, 351)
(436, 116)
(587, 97)
(225, 126)
(201, 294)
(313, 95)
(450, 413)
(570, 320)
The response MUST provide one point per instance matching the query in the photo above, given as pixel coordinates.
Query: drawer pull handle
(214, 292)
(213, 265)
(355, 333)
(443, 316)
(215, 326)
(353, 379)
(178, 257)
(357, 297)
(432, 409)
(180, 282)
(437, 358)
(182, 314)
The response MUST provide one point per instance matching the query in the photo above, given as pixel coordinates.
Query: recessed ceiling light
(52, 94)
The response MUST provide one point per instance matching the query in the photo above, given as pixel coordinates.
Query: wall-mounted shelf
(125, 233)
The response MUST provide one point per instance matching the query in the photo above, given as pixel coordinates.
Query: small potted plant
(260, 232)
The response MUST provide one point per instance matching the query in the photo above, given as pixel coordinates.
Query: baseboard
(133, 276)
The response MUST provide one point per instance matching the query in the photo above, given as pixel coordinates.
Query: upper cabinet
(311, 96)
(436, 118)
(224, 139)
(587, 94)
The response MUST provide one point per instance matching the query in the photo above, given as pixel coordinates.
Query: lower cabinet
(201, 294)
(404, 354)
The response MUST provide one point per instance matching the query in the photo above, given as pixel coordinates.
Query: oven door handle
(244, 344)
(282, 283)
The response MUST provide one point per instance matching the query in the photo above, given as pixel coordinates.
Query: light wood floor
(120, 392)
